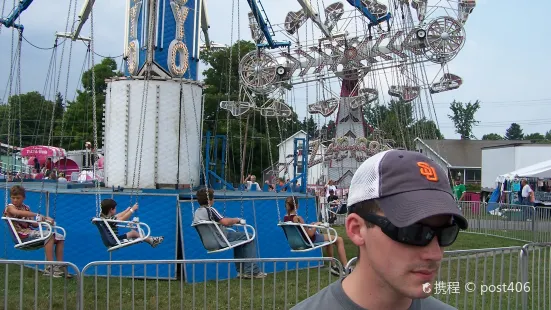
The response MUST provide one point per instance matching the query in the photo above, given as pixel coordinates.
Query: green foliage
(31, 113)
(492, 136)
(72, 124)
(534, 137)
(222, 84)
(464, 118)
(397, 121)
(78, 126)
(514, 132)
(473, 187)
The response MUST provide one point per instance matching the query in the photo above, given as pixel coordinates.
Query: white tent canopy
(539, 170)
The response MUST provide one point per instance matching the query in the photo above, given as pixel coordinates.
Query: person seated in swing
(206, 212)
(250, 181)
(19, 210)
(109, 212)
(291, 204)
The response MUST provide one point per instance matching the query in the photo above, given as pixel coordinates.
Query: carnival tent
(42, 151)
(539, 170)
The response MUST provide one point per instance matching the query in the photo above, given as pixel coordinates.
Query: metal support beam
(314, 16)
(9, 22)
(70, 36)
(205, 22)
(83, 17)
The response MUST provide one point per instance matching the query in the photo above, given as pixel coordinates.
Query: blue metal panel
(142, 33)
(270, 240)
(166, 30)
(83, 243)
(190, 39)
(166, 33)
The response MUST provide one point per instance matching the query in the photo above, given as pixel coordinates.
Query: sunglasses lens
(448, 235)
(415, 235)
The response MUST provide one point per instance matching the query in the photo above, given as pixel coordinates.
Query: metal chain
(94, 109)
(143, 114)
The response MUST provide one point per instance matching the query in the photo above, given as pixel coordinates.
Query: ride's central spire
(163, 35)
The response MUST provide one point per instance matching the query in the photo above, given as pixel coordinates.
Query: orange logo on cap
(428, 171)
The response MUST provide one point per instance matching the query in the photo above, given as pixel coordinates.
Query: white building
(317, 173)
(498, 160)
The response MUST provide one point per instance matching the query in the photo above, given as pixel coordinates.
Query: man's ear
(354, 225)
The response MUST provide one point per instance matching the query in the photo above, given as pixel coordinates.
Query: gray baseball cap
(408, 185)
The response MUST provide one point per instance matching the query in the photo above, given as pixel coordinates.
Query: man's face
(409, 267)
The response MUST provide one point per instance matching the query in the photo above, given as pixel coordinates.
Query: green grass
(281, 290)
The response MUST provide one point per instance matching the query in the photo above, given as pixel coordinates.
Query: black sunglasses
(415, 234)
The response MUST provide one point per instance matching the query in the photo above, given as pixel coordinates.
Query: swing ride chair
(110, 239)
(295, 232)
(215, 241)
(44, 228)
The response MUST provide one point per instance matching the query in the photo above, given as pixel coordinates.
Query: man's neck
(366, 289)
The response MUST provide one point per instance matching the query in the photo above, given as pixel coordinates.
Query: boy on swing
(17, 209)
(109, 212)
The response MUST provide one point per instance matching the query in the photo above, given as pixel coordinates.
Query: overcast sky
(504, 64)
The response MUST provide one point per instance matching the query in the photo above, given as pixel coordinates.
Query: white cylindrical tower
(158, 120)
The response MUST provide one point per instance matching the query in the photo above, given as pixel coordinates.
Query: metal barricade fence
(495, 278)
(202, 284)
(517, 222)
(467, 279)
(536, 270)
(334, 214)
(26, 285)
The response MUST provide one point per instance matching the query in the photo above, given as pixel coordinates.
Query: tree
(78, 126)
(548, 135)
(328, 131)
(262, 135)
(534, 137)
(464, 118)
(492, 136)
(28, 117)
(514, 132)
(310, 126)
(106, 69)
(59, 106)
(397, 123)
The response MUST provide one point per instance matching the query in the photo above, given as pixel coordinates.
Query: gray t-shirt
(205, 213)
(333, 297)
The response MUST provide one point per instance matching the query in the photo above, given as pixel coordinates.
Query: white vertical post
(126, 27)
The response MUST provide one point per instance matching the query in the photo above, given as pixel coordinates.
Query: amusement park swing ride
(375, 52)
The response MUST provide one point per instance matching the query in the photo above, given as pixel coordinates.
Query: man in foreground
(402, 214)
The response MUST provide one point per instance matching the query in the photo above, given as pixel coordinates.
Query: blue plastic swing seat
(107, 238)
(296, 240)
(213, 238)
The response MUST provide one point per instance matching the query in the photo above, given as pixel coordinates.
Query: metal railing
(517, 222)
(27, 285)
(515, 277)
